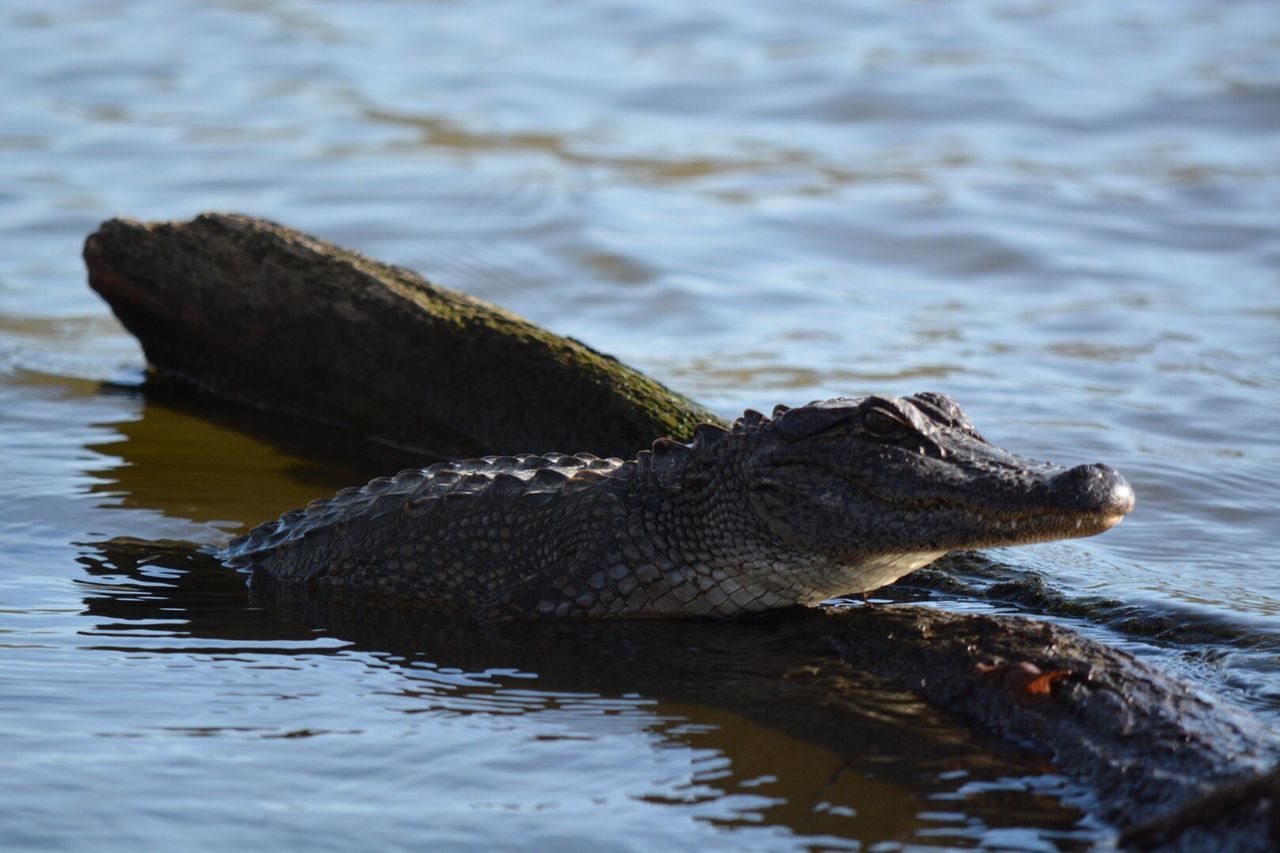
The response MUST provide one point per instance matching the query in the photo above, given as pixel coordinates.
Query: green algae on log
(255, 312)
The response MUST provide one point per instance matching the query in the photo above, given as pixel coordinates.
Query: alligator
(837, 497)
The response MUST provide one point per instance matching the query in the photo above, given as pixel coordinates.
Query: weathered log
(1144, 742)
(255, 312)
(1252, 792)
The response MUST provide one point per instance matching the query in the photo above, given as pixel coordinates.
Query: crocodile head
(882, 486)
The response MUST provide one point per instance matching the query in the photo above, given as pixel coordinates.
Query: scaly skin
(837, 497)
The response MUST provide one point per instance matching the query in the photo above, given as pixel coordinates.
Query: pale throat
(872, 573)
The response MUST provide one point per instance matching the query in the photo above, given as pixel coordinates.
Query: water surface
(1063, 214)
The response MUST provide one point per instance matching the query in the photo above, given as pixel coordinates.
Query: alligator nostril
(1095, 487)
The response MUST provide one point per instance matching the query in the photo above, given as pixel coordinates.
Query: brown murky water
(1064, 214)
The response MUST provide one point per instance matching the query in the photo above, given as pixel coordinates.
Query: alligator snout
(1095, 489)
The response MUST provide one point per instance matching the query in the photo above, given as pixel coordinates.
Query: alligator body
(833, 498)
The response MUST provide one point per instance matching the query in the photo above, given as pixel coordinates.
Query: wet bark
(255, 312)
(1146, 744)
(258, 313)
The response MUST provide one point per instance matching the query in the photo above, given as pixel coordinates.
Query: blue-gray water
(1067, 215)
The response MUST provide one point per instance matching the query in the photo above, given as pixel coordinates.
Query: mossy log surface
(252, 311)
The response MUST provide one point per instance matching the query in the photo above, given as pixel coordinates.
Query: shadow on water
(835, 753)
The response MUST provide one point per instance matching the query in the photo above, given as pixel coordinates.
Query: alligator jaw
(1097, 499)
(1081, 501)
(1041, 527)
(1065, 503)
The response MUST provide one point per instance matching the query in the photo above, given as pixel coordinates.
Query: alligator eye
(881, 424)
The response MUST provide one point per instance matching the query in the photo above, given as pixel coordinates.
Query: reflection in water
(197, 458)
(780, 731)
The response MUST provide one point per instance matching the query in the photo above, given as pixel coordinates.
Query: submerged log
(1146, 744)
(252, 311)
(258, 313)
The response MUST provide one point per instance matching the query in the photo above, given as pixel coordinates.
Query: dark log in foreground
(251, 311)
(1145, 743)
(1253, 792)
(254, 312)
